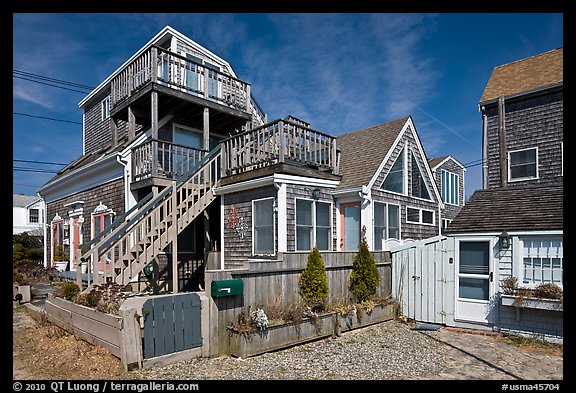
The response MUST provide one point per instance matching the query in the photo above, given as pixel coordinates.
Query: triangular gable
(429, 179)
(443, 161)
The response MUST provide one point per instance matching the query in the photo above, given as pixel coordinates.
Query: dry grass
(534, 345)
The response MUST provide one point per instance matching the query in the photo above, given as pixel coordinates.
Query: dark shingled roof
(524, 75)
(432, 162)
(537, 207)
(362, 151)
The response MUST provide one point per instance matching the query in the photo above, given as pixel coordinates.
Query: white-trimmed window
(418, 186)
(419, 216)
(395, 179)
(33, 216)
(106, 108)
(450, 188)
(542, 261)
(102, 217)
(523, 164)
(313, 225)
(263, 226)
(386, 223)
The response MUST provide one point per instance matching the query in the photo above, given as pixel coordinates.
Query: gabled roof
(536, 207)
(19, 200)
(437, 161)
(362, 151)
(525, 75)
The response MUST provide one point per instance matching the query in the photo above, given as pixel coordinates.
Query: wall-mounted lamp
(316, 193)
(504, 240)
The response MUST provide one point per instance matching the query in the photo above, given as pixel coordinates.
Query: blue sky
(339, 72)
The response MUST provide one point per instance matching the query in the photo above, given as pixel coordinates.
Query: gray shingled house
(513, 227)
(173, 134)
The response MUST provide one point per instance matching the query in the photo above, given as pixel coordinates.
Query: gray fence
(423, 279)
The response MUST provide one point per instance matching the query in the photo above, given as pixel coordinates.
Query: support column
(174, 235)
(131, 124)
(114, 130)
(206, 130)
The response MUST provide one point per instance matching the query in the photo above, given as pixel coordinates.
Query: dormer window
(523, 164)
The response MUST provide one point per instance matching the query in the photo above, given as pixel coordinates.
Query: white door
(475, 281)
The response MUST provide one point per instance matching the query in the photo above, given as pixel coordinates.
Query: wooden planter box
(532, 302)
(380, 313)
(286, 335)
(280, 336)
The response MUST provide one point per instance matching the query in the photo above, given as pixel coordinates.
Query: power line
(49, 84)
(47, 118)
(40, 162)
(60, 81)
(23, 169)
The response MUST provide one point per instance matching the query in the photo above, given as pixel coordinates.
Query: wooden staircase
(137, 238)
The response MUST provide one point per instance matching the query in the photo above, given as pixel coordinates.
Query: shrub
(313, 281)
(60, 255)
(18, 253)
(364, 278)
(69, 290)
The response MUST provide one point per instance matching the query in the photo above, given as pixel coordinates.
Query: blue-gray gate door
(171, 324)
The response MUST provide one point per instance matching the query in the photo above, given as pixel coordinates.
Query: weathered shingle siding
(450, 211)
(535, 122)
(408, 230)
(98, 132)
(305, 192)
(110, 194)
(236, 249)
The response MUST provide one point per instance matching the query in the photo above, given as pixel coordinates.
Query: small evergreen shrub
(69, 290)
(364, 278)
(313, 281)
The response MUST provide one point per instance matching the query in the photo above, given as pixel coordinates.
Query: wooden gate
(171, 324)
(423, 279)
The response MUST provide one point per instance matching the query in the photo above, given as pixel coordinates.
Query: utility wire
(49, 84)
(23, 169)
(40, 162)
(60, 81)
(46, 118)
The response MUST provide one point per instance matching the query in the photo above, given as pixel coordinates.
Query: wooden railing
(280, 141)
(170, 69)
(140, 238)
(156, 158)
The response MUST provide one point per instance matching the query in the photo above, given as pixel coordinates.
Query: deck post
(131, 124)
(281, 141)
(206, 130)
(174, 237)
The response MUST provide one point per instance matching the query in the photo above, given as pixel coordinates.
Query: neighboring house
(514, 226)
(181, 172)
(387, 187)
(448, 173)
(28, 214)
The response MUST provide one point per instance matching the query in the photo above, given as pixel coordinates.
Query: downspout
(126, 181)
(484, 149)
(502, 140)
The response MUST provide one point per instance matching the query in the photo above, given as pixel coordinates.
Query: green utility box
(227, 288)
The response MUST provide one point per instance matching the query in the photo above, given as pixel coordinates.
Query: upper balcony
(284, 145)
(179, 78)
